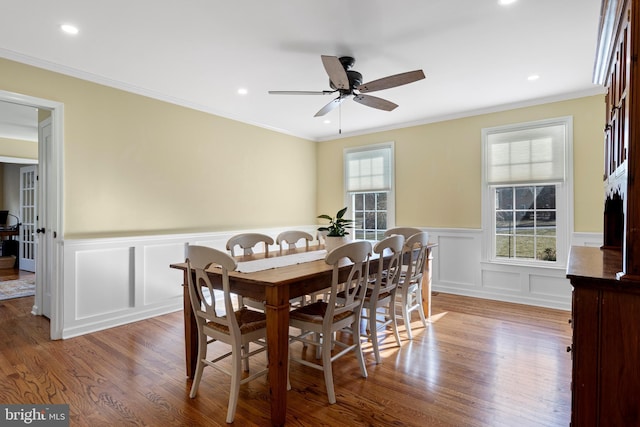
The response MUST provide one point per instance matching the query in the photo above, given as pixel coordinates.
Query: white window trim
(564, 200)
(391, 200)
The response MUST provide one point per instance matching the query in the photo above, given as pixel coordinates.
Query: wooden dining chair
(406, 232)
(403, 231)
(409, 293)
(238, 329)
(322, 319)
(379, 302)
(321, 237)
(248, 242)
(288, 240)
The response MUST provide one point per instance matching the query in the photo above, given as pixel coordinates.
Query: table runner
(280, 261)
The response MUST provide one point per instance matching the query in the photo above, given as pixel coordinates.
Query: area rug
(17, 288)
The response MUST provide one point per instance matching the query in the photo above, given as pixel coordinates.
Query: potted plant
(336, 230)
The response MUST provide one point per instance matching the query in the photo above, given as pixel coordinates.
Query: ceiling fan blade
(330, 106)
(336, 72)
(375, 102)
(300, 92)
(392, 81)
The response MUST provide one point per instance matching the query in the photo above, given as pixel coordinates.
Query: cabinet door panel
(585, 357)
(619, 359)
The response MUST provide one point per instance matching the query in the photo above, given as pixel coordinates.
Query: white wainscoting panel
(501, 282)
(548, 286)
(216, 242)
(458, 269)
(456, 258)
(110, 282)
(114, 281)
(107, 276)
(159, 281)
(587, 239)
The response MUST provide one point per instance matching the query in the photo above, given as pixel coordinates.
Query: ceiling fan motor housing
(347, 62)
(355, 80)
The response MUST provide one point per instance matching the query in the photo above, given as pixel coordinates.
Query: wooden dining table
(276, 286)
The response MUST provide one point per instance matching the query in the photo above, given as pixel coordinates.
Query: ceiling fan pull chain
(340, 119)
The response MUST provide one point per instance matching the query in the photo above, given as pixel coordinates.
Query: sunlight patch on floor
(435, 317)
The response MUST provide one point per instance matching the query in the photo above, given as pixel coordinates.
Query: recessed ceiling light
(326, 122)
(242, 91)
(533, 77)
(69, 29)
(506, 2)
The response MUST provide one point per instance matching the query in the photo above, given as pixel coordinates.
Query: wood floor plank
(479, 363)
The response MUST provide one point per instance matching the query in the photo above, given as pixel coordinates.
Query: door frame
(51, 184)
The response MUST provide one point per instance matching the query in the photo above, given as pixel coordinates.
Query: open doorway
(15, 281)
(48, 215)
(18, 152)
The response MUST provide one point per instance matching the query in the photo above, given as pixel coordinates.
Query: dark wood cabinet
(616, 69)
(606, 281)
(606, 340)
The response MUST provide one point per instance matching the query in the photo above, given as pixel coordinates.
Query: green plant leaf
(337, 225)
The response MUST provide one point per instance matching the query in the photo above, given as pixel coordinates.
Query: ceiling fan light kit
(348, 82)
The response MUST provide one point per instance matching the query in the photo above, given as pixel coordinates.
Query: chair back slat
(321, 236)
(288, 239)
(387, 277)
(352, 290)
(199, 259)
(415, 249)
(403, 231)
(248, 242)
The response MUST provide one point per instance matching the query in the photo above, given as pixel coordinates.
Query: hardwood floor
(479, 363)
(13, 274)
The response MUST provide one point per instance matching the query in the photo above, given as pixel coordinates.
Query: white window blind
(368, 170)
(526, 155)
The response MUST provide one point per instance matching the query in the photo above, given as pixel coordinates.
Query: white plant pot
(332, 242)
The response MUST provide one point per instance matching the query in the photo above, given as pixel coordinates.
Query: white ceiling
(476, 54)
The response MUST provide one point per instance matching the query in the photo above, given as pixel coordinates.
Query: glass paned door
(28, 216)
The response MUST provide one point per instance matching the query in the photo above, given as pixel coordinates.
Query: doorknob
(40, 230)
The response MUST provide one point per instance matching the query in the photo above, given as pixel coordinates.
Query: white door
(28, 215)
(44, 236)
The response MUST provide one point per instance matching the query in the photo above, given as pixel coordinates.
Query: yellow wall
(18, 148)
(438, 166)
(11, 190)
(134, 165)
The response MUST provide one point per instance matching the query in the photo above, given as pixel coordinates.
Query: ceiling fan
(348, 82)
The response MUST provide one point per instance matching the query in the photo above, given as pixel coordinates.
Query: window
(369, 189)
(527, 192)
(525, 225)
